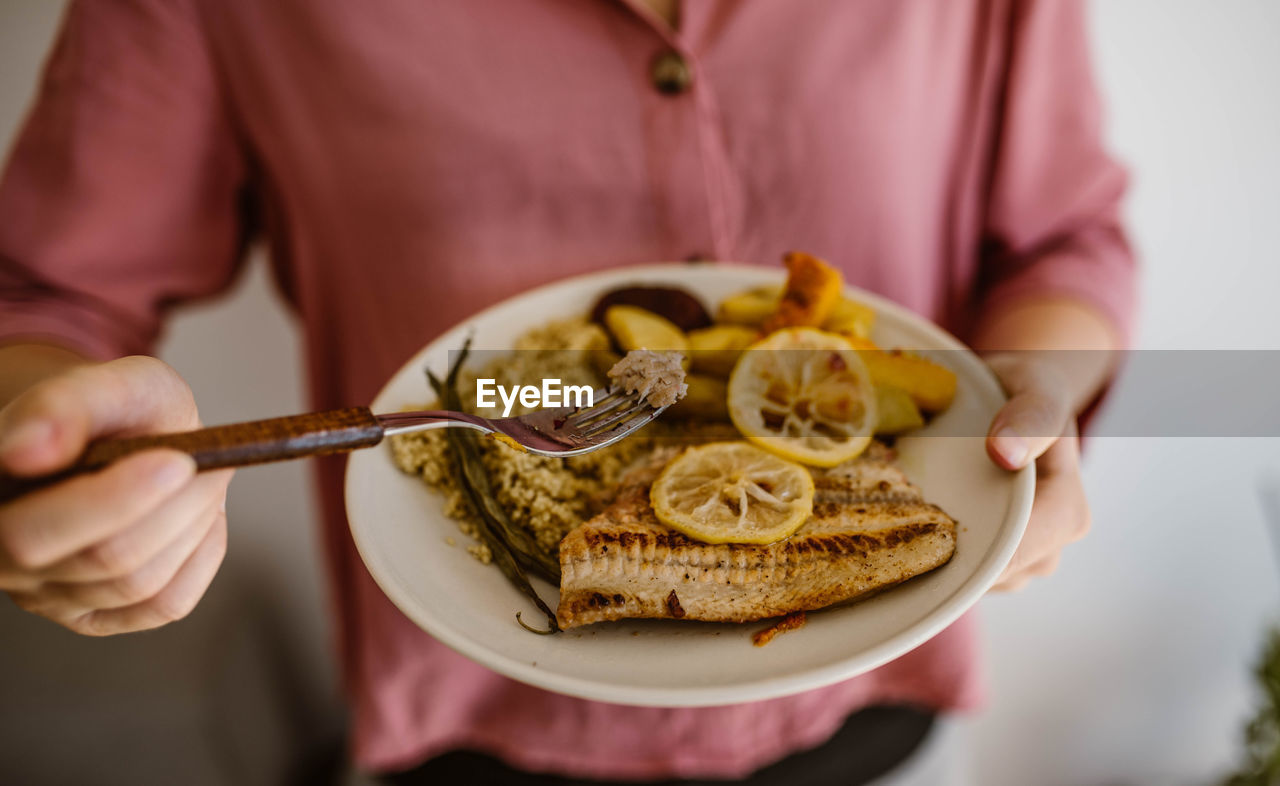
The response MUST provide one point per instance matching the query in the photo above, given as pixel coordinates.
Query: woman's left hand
(1038, 424)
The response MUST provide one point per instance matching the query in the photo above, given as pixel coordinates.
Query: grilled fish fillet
(870, 529)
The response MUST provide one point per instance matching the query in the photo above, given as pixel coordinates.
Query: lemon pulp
(732, 492)
(805, 395)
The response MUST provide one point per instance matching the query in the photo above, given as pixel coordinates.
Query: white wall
(1130, 666)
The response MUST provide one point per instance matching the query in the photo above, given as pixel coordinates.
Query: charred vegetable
(812, 291)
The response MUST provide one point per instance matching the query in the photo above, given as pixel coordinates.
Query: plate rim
(948, 610)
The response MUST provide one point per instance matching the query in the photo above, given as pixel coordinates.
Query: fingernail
(24, 437)
(173, 471)
(1012, 447)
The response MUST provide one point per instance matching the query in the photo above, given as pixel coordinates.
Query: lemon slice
(805, 395)
(732, 492)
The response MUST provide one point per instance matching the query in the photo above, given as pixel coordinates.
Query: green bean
(514, 550)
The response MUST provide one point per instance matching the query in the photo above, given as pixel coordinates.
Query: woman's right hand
(130, 547)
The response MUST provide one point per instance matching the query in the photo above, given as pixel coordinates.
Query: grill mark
(791, 553)
(885, 509)
(850, 497)
(598, 540)
(602, 539)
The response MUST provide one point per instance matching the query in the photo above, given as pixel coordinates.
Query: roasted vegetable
(706, 399)
(850, 318)
(813, 287)
(931, 386)
(750, 307)
(714, 350)
(896, 411)
(862, 343)
(633, 327)
(676, 305)
(513, 549)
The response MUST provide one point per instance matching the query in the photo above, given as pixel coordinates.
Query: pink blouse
(412, 162)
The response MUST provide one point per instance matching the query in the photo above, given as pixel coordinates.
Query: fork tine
(609, 398)
(612, 402)
(625, 428)
(615, 420)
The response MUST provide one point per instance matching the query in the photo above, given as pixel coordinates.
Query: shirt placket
(677, 71)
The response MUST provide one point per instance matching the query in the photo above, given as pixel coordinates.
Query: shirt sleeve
(122, 193)
(1053, 224)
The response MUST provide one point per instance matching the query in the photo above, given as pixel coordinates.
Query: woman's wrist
(1072, 340)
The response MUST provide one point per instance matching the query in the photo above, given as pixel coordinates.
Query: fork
(565, 431)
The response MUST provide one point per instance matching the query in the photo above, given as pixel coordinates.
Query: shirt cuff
(69, 325)
(1107, 283)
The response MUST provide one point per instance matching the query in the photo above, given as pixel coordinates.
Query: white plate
(400, 530)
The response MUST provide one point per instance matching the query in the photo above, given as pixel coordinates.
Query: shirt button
(670, 73)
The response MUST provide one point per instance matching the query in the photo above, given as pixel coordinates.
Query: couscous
(548, 496)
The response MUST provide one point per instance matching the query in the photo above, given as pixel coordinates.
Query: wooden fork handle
(233, 445)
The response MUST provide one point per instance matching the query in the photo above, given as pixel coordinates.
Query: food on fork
(658, 377)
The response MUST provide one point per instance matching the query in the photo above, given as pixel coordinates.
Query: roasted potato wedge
(931, 386)
(813, 288)
(896, 411)
(714, 350)
(633, 327)
(862, 343)
(750, 307)
(850, 318)
(706, 399)
(681, 308)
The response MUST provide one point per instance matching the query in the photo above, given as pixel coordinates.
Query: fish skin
(870, 529)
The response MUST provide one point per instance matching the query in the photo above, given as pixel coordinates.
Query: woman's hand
(131, 547)
(1038, 424)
